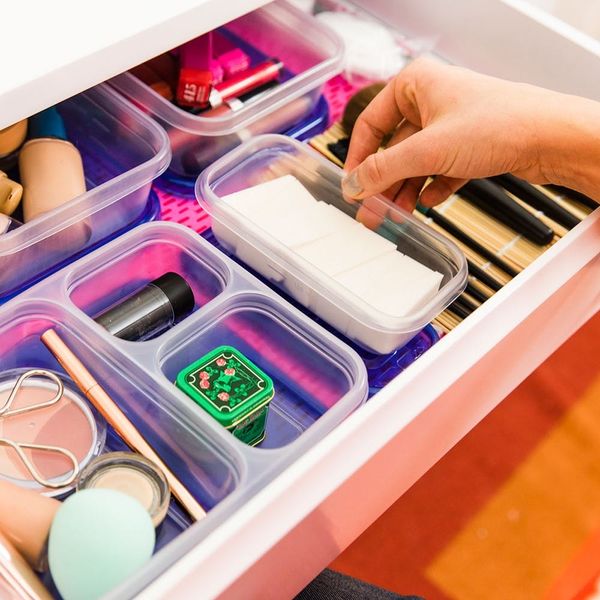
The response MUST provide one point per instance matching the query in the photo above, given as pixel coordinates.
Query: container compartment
(210, 471)
(310, 379)
(143, 258)
(271, 156)
(311, 53)
(122, 151)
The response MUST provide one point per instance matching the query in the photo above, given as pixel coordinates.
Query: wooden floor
(502, 514)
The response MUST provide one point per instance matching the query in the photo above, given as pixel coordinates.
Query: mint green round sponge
(98, 538)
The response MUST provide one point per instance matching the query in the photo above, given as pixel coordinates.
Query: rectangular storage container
(318, 380)
(270, 156)
(122, 152)
(311, 53)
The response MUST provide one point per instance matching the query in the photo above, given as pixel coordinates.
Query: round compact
(133, 475)
(48, 431)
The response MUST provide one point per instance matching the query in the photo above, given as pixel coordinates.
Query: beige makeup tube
(51, 173)
(17, 574)
(25, 519)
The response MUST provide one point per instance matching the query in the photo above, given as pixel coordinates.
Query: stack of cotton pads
(333, 248)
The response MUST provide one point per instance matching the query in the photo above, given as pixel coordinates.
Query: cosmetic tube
(25, 519)
(150, 310)
(14, 571)
(50, 166)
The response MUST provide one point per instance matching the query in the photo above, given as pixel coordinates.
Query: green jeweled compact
(232, 389)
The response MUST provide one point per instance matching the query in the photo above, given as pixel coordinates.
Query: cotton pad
(338, 251)
(335, 218)
(394, 284)
(345, 249)
(275, 196)
(283, 208)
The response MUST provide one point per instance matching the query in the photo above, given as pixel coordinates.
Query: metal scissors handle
(5, 412)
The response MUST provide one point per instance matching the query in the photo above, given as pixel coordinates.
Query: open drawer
(297, 522)
(285, 534)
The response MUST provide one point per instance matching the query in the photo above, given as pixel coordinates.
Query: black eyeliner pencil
(538, 200)
(573, 195)
(492, 199)
(475, 293)
(462, 307)
(466, 239)
(484, 277)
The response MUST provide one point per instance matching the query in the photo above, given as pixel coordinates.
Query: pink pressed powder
(69, 424)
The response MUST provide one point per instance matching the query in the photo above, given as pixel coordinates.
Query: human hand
(455, 124)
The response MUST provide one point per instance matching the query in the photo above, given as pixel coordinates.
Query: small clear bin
(271, 156)
(311, 54)
(122, 152)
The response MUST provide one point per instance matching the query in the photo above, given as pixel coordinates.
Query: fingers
(397, 101)
(417, 156)
(439, 190)
(403, 131)
(372, 213)
(409, 193)
(377, 120)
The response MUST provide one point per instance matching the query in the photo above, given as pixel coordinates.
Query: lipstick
(245, 82)
(195, 76)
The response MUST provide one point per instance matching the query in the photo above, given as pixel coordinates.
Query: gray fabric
(330, 585)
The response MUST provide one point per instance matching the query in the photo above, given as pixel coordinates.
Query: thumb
(416, 156)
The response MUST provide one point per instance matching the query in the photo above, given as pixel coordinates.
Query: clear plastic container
(122, 151)
(318, 379)
(381, 368)
(270, 156)
(311, 53)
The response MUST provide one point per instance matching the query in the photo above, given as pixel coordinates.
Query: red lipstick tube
(245, 82)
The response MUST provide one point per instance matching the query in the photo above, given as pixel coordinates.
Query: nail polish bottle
(50, 166)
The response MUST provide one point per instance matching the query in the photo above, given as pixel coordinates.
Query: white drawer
(295, 526)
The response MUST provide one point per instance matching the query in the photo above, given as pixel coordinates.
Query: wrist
(568, 145)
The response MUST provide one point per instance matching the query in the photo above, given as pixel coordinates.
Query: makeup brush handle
(538, 200)
(484, 277)
(573, 195)
(492, 199)
(459, 234)
(115, 416)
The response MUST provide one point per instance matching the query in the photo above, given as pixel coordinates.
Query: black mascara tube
(538, 200)
(149, 311)
(484, 277)
(573, 195)
(466, 239)
(492, 199)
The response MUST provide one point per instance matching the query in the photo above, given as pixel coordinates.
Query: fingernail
(350, 184)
